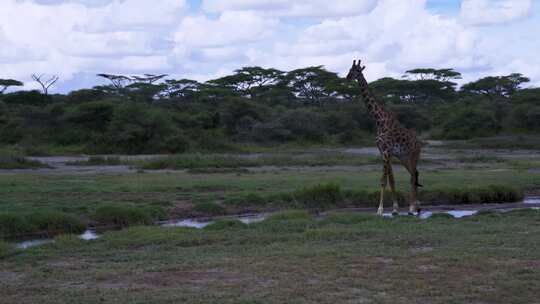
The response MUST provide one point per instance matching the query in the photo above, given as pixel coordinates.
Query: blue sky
(204, 39)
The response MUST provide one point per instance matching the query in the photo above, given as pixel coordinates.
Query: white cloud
(64, 37)
(482, 12)
(393, 37)
(298, 8)
(230, 28)
(83, 37)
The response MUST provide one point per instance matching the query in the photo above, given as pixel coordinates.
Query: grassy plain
(289, 258)
(258, 182)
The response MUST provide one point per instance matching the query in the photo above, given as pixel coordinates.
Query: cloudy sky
(204, 39)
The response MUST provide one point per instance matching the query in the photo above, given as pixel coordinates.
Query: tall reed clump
(43, 222)
(18, 162)
(127, 215)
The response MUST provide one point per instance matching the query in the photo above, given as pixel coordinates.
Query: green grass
(498, 142)
(81, 195)
(290, 258)
(203, 161)
(99, 161)
(19, 162)
(6, 249)
(209, 208)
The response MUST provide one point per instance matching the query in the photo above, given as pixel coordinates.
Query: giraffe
(393, 140)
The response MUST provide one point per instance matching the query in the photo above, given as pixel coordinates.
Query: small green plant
(209, 208)
(250, 199)
(441, 215)
(225, 224)
(349, 218)
(98, 161)
(288, 216)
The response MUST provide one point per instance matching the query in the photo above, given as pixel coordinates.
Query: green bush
(465, 123)
(13, 224)
(6, 249)
(318, 197)
(56, 222)
(123, 216)
(49, 222)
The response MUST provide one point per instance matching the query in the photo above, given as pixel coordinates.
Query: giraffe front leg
(391, 181)
(413, 206)
(381, 202)
(383, 187)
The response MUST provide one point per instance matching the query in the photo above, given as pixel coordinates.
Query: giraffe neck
(376, 110)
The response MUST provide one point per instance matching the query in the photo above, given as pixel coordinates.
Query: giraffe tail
(416, 178)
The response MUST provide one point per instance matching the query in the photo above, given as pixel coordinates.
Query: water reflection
(428, 214)
(33, 243)
(89, 235)
(532, 200)
(193, 223)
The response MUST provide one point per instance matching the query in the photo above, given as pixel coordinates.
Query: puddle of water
(191, 223)
(532, 200)
(89, 235)
(462, 213)
(253, 219)
(428, 214)
(33, 243)
(188, 223)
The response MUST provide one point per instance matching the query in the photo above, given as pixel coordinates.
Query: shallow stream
(91, 234)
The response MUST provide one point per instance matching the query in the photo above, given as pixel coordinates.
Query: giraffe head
(356, 71)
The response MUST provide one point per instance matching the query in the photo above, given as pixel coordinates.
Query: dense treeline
(260, 106)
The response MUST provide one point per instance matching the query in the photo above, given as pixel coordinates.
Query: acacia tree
(148, 78)
(443, 75)
(45, 84)
(496, 86)
(181, 89)
(118, 81)
(313, 84)
(6, 83)
(249, 81)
